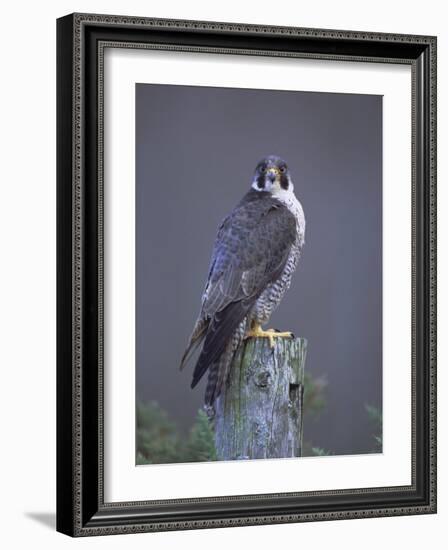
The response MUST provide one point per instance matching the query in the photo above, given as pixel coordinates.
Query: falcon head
(272, 175)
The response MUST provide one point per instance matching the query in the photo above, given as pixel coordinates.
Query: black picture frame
(81, 510)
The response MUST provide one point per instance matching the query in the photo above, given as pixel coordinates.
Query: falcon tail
(219, 335)
(196, 339)
(217, 373)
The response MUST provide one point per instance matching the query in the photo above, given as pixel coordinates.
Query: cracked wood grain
(260, 411)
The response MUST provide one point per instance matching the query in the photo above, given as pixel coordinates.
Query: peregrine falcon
(254, 256)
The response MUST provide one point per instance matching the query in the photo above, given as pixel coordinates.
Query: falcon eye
(263, 169)
(282, 169)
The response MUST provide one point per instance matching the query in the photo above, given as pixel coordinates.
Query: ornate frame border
(82, 39)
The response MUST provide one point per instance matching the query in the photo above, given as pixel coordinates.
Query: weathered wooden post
(259, 413)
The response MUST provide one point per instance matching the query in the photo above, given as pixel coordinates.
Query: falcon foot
(292, 335)
(258, 332)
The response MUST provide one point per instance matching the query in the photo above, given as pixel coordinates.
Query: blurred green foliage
(318, 451)
(376, 420)
(314, 395)
(314, 402)
(200, 445)
(159, 441)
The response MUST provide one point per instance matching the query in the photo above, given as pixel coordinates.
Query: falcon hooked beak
(273, 174)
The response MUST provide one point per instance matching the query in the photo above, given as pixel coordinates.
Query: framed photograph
(246, 274)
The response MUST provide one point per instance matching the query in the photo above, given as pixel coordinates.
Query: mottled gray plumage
(254, 255)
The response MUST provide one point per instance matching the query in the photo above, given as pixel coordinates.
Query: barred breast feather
(274, 292)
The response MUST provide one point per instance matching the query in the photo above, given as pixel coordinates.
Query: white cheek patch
(272, 187)
(268, 186)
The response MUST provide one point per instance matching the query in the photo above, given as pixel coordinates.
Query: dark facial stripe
(284, 184)
(260, 181)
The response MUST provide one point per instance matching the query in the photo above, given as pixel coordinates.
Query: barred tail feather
(219, 372)
(219, 334)
(217, 375)
(211, 388)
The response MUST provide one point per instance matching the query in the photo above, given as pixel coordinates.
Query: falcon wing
(250, 252)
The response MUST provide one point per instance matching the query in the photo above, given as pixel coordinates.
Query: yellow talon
(257, 332)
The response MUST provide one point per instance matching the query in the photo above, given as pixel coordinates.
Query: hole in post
(295, 394)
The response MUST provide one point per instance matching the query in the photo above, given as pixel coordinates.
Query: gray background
(196, 149)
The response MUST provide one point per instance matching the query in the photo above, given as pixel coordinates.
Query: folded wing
(250, 252)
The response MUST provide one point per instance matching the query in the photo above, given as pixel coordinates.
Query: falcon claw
(284, 334)
(271, 334)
